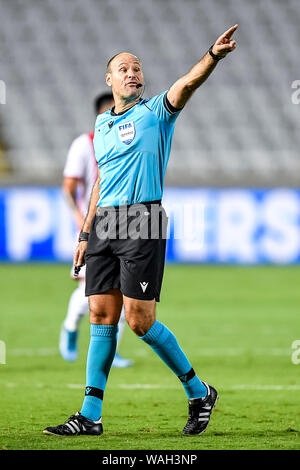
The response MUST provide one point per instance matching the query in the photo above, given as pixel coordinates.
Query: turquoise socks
(101, 353)
(102, 350)
(164, 343)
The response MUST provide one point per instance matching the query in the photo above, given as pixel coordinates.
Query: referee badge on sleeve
(126, 132)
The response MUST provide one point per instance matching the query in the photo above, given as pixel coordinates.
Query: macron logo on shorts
(144, 286)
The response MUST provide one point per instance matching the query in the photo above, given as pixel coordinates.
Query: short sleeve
(162, 108)
(76, 159)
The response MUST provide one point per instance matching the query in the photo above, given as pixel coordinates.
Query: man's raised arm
(182, 90)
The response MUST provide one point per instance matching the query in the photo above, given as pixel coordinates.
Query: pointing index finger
(230, 31)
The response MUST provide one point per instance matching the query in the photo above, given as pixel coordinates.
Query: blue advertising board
(234, 226)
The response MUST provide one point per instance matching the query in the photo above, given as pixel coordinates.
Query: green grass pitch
(236, 324)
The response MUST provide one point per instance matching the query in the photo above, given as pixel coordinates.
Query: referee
(123, 237)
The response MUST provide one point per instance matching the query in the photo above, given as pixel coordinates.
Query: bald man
(123, 238)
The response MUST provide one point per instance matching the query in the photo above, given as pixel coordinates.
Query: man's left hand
(224, 44)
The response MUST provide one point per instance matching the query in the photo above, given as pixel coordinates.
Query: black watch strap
(83, 237)
(214, 56)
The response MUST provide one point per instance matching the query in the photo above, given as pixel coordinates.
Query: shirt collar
(112, 111)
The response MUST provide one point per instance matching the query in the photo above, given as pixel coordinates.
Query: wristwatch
(214, 56)
(83, 237)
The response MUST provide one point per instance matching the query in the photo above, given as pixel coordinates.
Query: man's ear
(108, 78)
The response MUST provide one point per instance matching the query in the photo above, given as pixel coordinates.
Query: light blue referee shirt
(132, 151)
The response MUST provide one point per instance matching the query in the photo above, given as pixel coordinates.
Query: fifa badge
(126, 132)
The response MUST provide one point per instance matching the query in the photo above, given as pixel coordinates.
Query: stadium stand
(241, 128)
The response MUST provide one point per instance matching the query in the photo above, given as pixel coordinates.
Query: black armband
(214, 56)
(83, 237)
(169, 107)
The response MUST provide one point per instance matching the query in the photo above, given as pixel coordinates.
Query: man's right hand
(78, 259)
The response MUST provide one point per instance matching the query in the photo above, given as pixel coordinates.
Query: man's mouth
(132, 83)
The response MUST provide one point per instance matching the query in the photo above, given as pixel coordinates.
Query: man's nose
(131, 73)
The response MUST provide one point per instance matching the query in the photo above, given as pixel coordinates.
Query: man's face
(106, 106)
(124, 74)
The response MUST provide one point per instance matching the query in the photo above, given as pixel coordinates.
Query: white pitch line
(128, 386)
(31, 352)
(224, 389)
(264, 387)
(243, 351)
(76, 386)
(213, 352)
(240, 387)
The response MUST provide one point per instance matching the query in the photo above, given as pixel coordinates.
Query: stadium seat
(54, 58)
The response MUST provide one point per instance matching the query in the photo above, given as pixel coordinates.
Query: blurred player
(80, 174)
(132, 145)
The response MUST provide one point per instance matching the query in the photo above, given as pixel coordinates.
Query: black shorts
(126, 250)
